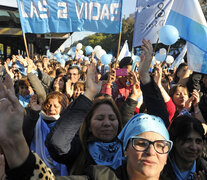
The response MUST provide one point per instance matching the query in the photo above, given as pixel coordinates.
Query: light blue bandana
(142, 123)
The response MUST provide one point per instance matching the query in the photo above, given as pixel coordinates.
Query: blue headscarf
(143, 123)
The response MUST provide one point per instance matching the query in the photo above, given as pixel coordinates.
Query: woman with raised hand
(145, 142)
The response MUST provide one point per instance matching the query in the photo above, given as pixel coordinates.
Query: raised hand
(111, 76)
(69, 88)
(11, 111)
(136, 90)
(146, 60)
(196, 97)
(93, 85)
(12, 140)
(33, 103)
(158, 76)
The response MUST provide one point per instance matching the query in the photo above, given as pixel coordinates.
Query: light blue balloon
(168, 34)
(105, 59)
(58, 55)
(159, 57)
(88, 50)
(110, 56)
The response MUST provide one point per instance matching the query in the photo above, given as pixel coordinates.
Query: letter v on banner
(188, 18)
(150, 17)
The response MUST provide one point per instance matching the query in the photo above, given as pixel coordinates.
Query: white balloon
(79, 46)
(80, 52)
(163, 51)
(97, 48)
(169, 59)
(100, 53)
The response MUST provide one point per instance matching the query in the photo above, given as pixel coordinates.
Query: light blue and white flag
(188, 18)
(63, 16)
(180, 57)
(124, 51)
(150, 17)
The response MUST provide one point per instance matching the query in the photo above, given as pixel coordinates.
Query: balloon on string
(110, 56)
(105, 59)
(88, 50)
(79, 46)
(58, 55)
(169, 59)
(97, 48)
(163, 51)
(100, 53)
(160, 57)
(168, 34)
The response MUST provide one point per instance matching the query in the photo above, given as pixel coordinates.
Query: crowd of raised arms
(83, 121)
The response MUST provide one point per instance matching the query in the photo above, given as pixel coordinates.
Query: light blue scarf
(107, 154)
(38, 146)
(24, 101)
(186, 175)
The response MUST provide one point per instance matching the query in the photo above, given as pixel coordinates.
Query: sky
(128, 5)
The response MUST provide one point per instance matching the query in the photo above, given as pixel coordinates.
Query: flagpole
(119, 45)
(25, 43)
(156, 46)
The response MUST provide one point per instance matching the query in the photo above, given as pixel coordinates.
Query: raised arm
(60, 137)
(151, 93)
(12, 140)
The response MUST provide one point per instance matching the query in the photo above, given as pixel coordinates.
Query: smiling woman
(185, 160)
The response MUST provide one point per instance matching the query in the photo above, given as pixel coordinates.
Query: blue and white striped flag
(150, 17)
(188, 18)
(179, 59)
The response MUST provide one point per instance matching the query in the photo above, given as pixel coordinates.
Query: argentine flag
(188, 18)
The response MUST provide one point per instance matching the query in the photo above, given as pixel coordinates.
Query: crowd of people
(80, 121)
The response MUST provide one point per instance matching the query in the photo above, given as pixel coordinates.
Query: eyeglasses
(142, 144)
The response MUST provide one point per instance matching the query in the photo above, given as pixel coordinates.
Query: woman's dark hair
(85, 132)
(183, 125)
(175, 88)
(176, 78)
(64, 79)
